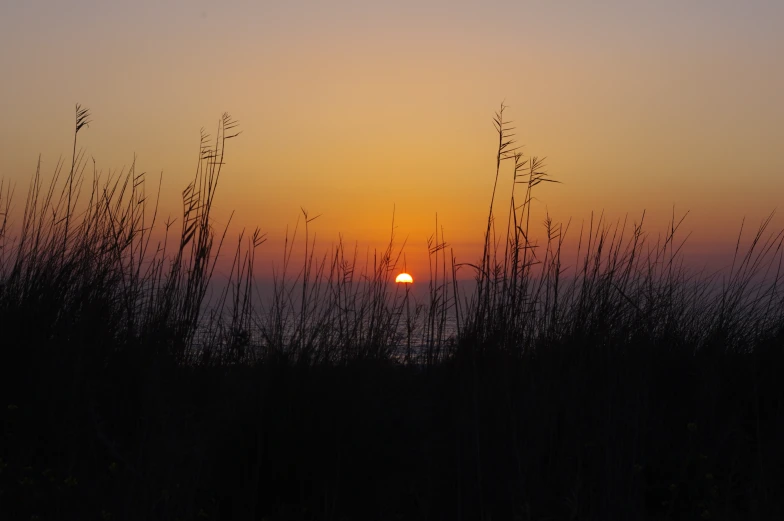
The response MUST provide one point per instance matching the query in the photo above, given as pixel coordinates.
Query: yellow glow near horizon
(404, 278)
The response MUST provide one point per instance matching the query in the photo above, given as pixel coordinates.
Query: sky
(355, 110)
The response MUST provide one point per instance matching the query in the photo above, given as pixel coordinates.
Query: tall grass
(623, 283)
(610, 386)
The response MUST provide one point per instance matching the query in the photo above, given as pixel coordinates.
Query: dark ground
(578, 431)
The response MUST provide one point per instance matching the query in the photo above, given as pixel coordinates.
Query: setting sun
(404, 278)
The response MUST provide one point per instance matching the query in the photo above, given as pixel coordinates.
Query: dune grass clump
(623, 284)
(623, 385)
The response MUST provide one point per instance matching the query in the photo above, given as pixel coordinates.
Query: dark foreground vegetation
(624, 386)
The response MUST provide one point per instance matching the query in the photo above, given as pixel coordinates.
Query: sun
(404, 278)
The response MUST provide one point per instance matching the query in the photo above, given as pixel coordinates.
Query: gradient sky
(352, 108)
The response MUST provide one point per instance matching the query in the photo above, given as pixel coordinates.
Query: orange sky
(349, 109)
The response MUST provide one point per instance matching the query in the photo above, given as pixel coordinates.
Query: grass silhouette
(626, 387)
